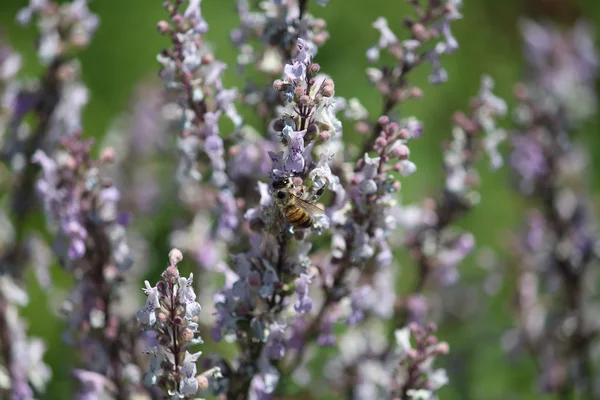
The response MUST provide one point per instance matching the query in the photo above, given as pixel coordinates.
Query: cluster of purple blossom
(558, 251)
(294, 231)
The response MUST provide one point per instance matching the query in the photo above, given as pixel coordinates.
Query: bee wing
(310, 208)
(276, 217)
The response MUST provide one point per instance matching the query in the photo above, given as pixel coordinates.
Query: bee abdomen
(299, 218)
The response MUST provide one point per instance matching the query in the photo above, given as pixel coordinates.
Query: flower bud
(171, 272)
(304, 99)
(324, 135)
(278, 85)
(319, 23)
(327, 90)
(412, 354)
(404, 134)
(420, 32)
(163, 27)
(362, 127)
(202, 382)
(175, 256)
(414, 328)
(402, 152)
(187, 334)
(381, 142)
(416, 93)
(314, 68)
(520, 91)
(207, 59)
(321, 38)
(107, 155)
(162, 317)
(442, 348)
(178, 19)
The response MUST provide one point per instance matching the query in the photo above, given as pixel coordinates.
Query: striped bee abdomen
(298, 217)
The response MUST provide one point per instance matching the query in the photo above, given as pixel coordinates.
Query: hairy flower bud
(163, 27)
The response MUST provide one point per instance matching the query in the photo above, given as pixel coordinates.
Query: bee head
(282, 183)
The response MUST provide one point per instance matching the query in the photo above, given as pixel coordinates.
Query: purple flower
(304, 303)
(564, 66)
(294, 162)
(171, 306)
(275, 346)
(359, 301)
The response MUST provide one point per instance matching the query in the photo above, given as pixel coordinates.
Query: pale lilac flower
(62, 27)
(304, 303)
(171, 311)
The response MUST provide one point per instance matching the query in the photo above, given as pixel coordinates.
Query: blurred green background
(122, 54)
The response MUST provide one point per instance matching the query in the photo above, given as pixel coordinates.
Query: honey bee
(298, 212)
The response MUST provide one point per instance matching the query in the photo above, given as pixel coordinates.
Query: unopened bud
(314, 68)
(278, 85)
(381, 142)
(320, 38)
(107, 155)
(70, 162)
(187, 334)
(383, 120)
(175, 256)
(202, 382)
(319, 23)
(442, 348)
(420, 32)
(521, 91)
(304, 99)
(178, 19)
(415, 93)
(404, 134)
(449, 8)
(163, 27)
(327, 90)
(207, 59)
(414, 327)
(324, 135)
(362, 127)
(172, 271)
(412, 354)
(402, 152)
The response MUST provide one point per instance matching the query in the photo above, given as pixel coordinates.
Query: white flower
(421, 394)
(403, 340)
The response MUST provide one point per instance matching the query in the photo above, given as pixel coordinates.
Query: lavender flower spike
(416, 378)
(172, 312)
